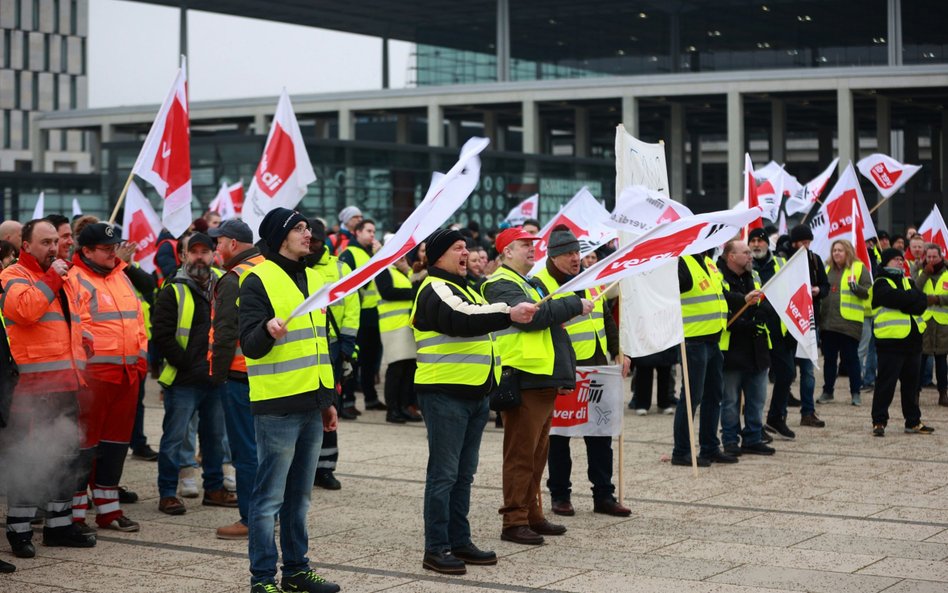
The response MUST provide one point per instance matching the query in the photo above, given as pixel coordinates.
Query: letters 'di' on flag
(594, 408)
(933, 230)
(682, 237)
(165, 159)
(790, 294)
(886, 173)
(141, 225)
(586, 218)
(835, 218)
(284, 170)
(640, 209)
(528, 208)
(446, 194)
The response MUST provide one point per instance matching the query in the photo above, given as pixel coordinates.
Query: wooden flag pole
(118, 204)
(690, 410)
(620, 493)
(878, 204)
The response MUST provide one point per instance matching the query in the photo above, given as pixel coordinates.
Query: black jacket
(550, 315)
(387, 290)
(459, 319)
(912, 302)
(766, 268)
(256, 342)
(226, 331)
(748, 350)
(191, 363)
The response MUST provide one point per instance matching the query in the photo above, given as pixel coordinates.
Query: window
(55, 92)
(6, 128)
(25, 140)
(17, 87)
(7, 47)
(46, 52)
(73, 93)
(82, 46)
(73, 17)
(17, 14)
(26, 49)
(56, 16)
(36, 15)
(36, 91)
(63, 54)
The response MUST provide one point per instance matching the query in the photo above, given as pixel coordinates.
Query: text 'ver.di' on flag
(141, 225)
(886, 173)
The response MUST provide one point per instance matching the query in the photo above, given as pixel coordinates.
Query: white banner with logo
(594, 408)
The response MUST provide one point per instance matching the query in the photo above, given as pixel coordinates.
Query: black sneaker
(686, 461)
(471, 554)
(348, 413)
(127, 496)
(67, 537)
(443, 562)
(265, 588)
(733, 449)
(719, 457)
(878, 430)
(376, 405)
(395, 418)
(327, 481)
(780, 427)
(309, 582)
(765, 437)
(22, 547)
(6, 567)
(793, 402)
(145, 453)
(758, 449)
(919, 429)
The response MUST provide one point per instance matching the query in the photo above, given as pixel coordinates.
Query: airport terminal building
(796, 81)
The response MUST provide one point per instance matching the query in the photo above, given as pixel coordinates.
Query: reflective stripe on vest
(448, 360)
(395, 314)
(238, 363)
(584, 330)
(185, 301)
(528, 351)
(299, 361)
(892, 324)
(851, 307)
(114, 306)
(937, 287)
(369, 293)
(703, 308)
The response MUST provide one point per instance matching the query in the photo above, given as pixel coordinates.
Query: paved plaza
(836, 511)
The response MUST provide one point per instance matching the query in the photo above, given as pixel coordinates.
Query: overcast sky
(133, 54)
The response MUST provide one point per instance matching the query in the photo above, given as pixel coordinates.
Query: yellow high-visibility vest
(892, 323)
(703, 308)
(528, 351)
(584, 330)
(395, 314)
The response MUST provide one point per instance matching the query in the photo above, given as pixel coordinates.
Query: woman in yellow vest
(933, 279)
(898, 329)
(841, 317)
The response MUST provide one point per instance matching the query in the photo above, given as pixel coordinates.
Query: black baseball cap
(233, 229)
(200, 239)
(99, 233)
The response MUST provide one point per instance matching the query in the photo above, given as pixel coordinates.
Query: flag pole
(763, 290)
(878, 204)
(620, 493)
(691, 419)
(118, 204)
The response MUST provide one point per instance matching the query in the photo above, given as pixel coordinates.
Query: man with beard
(181, 329)
(933, 278)
(784, 346)
(745, 346)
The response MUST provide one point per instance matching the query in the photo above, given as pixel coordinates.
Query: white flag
(284, 170)
(165, 158)
(777, 173)
(835, 218)
(682, 237)
(447, 193)
(651, 311)
(39, 210)
(803, 199)
(641, 163)
(223, 202)
(640, 209)
(528, 208)
(141, 225)
(586, 218)
(790, 294)
(934, 229)
(76, 210)
(886, 173)
(594, 408)
(770, 192)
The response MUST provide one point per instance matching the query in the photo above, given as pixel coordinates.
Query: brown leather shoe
(521, 534)
(563, 507)
(236, 531)
(611, 507)
(943, 397)
(811, 420)
(547, 528)
(171, 505)
(220, 498)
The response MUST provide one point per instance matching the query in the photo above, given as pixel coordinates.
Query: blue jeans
(807, 385)
(243, 445)
(705, 378)
(189, 447)
(287, 450)
(180, 404)
(455, 426)
(754, 386)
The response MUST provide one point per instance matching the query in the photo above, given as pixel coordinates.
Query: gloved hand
(346, 369)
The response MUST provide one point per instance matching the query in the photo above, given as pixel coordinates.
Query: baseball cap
(233, 229)
(508, 236)
(99, 233)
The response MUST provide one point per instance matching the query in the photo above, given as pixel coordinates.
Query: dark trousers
(598, 467)
(901, 366)
(329, 450)
(783, 369)
(400, 385)
(941, 370)
(369, 341)
(839, 347)
(642, 387)
(139, 439)
(706, 382)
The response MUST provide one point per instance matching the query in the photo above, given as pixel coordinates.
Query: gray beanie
(562, 240)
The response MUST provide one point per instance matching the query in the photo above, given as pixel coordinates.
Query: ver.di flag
(790, 294)
(226, 200)
(586, 218)
(39, 210)
(934, 229)
(594, 408)
(682, 237)
(141, 225)
(165, 158)
(886, 173)
(859, 241)
(284, 170)
(76, 210)
(835, 218)
(803, 198)
(447, 193)
(528, 208)
(640, 209)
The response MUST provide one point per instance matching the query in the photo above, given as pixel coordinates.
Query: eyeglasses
(302, 228)
(107, 248)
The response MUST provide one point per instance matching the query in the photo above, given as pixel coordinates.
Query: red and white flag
(791, 296)
(594, 407)
(776, 174)
(934, 230)
(835, 218)
(682, 237)
(226, 201)
(284, 170)
(859, 241)
(586, 218)
(446, 194)
(751, 199)
(141, 225)
(886, 173)
(528, 208)
(640, 209)
(165, 159)
(803, 198)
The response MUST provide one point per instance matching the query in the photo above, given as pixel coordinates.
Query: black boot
(6, 567)
(21, 544)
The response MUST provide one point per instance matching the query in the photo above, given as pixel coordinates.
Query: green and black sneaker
(265, 588)
(307, 581)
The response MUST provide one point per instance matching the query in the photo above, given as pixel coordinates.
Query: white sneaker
(230, 478)
(640, 411)
(187, 483)
(670, 410)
